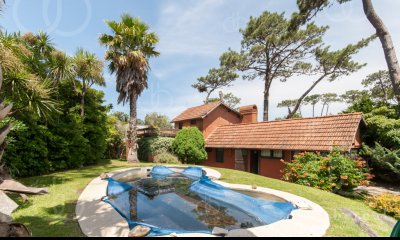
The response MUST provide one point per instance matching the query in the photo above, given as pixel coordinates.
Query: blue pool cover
(118, 196)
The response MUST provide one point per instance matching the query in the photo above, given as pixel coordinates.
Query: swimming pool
(185, 200)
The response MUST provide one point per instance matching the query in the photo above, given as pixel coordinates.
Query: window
(277, 154)
(208, 150)
(219, 155)
(180, 125)
(266, 153)
(240, 154)
(193, 122)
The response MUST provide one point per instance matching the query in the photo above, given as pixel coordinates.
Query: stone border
(98, 219)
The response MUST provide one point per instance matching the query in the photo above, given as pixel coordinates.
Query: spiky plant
(4, 110)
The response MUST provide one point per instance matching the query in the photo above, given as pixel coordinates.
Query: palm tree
(89, 69)
(26, 90)
(128, 49)
(60, 67)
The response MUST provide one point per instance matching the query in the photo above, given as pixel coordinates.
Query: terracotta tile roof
(199, 111)
(307, 134)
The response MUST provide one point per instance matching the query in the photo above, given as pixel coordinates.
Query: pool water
(178, 208)
(169, 200)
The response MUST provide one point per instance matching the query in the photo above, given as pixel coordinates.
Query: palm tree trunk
(83, 99)
(132, 133)
(387, 44)
(83, 105)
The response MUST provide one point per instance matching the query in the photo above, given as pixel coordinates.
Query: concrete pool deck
(98, 219)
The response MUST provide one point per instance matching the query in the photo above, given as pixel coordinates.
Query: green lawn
(54, 214)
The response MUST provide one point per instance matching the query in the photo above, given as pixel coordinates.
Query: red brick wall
(229, 159)
(219, 117)
(267, 167)
(272, 167)
(357, 141)
(187, 123)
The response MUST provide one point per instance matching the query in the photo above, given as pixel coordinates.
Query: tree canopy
(157, 120)
(269, 52)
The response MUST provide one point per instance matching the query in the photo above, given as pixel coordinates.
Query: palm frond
(128, 51)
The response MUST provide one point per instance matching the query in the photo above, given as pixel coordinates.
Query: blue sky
(193, 34)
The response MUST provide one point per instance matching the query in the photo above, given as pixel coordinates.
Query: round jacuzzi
(182, 200)
(187, 205)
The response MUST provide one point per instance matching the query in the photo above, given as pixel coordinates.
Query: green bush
(153, 146)
(35, 147)
(386, 163)
(386, 203)
(166, 158)
(335, 172)
(189, 145)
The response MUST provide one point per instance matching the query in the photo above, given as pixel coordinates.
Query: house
(236, 140)
(210, 116)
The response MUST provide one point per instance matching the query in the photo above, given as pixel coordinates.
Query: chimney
(249, 114)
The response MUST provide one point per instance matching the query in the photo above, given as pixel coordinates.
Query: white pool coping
(98, 219)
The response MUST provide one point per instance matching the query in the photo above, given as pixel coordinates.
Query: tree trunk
(313, 110)
(300, 100)
(132, 133)
(323, 107)
(266, 98)
(327, 109)
(387, 44)
(83, 99)
(83, 105)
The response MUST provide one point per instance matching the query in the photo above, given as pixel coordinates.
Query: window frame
(265, 156)
(272, 154)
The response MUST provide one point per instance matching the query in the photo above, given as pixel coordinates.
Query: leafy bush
(334, 172)
(189, 145)
(166, 158)
(385, 162)
(386, 203)
(115, 138)
(68, 141)
(26, 152)
(153, 146)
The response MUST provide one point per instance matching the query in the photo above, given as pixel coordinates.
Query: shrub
(385, 162)
(189, 145)
(335, 172)
(166, 158)
(386, 203)
(153, 146)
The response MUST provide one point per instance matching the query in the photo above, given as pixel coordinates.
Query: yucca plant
(4, 110)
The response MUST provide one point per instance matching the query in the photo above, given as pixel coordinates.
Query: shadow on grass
(54, 221)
